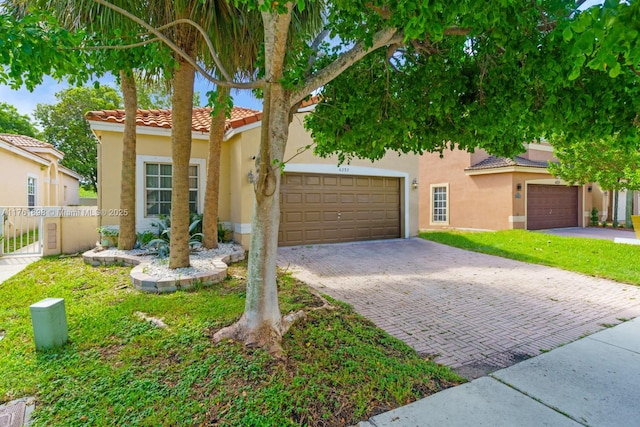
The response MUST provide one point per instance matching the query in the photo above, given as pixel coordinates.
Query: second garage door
(321, 208)
(551, 206)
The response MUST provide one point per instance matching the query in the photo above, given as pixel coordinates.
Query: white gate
(21, 231)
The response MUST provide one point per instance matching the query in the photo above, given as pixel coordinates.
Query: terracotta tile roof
(493, 162)
(23, 141)
(162, 118)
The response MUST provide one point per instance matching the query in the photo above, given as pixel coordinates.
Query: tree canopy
(612, 166)
(64, 126)
(11, 121)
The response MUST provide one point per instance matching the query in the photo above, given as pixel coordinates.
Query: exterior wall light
(251, 177)
(590, 189)
(518, 186)
(414, 183)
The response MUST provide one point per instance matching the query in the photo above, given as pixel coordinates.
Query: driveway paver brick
(471, 311)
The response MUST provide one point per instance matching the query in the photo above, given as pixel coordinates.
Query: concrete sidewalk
(594, 381)
(10, 266)
(591, 233)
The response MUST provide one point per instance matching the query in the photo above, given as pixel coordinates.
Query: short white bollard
(49, 321)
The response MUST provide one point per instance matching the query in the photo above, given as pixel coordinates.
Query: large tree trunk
(182, 111)
(216, 134)
(262, 323)
(127, 237)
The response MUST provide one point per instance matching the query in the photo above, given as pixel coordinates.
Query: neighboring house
(31, 174)
(321, 202)
(481, 191)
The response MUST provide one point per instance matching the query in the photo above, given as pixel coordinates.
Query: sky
(25, 101)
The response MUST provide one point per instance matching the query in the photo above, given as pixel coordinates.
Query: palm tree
(101, 21)
(239, 58)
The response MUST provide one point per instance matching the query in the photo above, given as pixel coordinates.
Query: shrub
(594, 217)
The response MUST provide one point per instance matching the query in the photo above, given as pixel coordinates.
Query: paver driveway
(475, 312)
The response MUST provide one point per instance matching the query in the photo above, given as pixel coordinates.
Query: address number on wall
(343, 170)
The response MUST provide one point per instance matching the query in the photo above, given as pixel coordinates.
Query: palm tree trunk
(127, 237)
(216, 134)
(182, 111)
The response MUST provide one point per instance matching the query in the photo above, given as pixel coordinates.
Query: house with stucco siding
(321, 202)
(481, 191)
(31, 174)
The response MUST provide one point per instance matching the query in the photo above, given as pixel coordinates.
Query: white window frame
(143, 222)
(32, 178)
(432, 211)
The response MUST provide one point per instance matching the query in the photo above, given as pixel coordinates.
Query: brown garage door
(319, 208)
(551, 206)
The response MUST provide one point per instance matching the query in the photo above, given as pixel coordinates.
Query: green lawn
(87, 193)
(14, 244)
(121, 370)
(599, 258)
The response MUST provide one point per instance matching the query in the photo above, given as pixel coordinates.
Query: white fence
(47, 230)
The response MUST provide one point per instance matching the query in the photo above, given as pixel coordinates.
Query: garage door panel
(294, 217)
(293, 180)
(347, 198)
(329, 215)
(346, 181)
(313, 216)
(293, 198)
(329, 181)
(312, 198)
(378, 182)
(336, 208)
(330, 198)
(362, 182)
(551, 206)
(392, 215)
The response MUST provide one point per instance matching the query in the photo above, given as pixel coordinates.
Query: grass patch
(594, 257)
(14, 244)
(88, 193)
(121, 370)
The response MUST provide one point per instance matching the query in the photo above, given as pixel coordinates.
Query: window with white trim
(440, 204)
(32, 187)
(158, 180)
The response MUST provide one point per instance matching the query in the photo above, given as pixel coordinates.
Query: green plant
(161, 244)
(604, 223)
(163, 224)
(109, 231)
(224, 234)
(594, 217)
(143, 238)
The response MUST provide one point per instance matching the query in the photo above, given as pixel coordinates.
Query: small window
(440, 204)
(31, 191)
(158, 181)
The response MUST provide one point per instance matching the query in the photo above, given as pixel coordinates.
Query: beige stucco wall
(73, 230)
(489, 201)
(14, 171)
(156, 148)
(237, 160)
(479, 202)
(69, 190)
